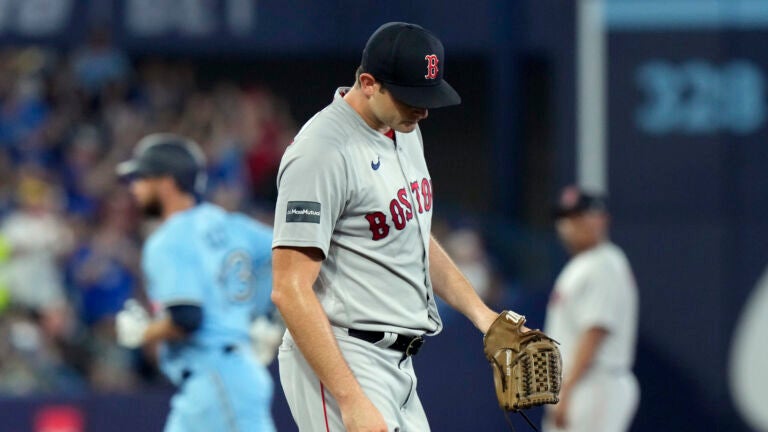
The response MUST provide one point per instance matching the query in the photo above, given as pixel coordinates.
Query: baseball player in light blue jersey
(208, 276)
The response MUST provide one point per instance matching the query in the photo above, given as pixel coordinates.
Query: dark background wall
(687, 168)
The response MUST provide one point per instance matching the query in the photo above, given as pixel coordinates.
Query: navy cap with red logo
(410, 61)
(575, 201)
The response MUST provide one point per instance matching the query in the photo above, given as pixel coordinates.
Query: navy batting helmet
(168, 154)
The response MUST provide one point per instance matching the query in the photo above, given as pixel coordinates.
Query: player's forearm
(308, 324)
(452, 286)
(586, 350)
(163, 330)
(310, 329)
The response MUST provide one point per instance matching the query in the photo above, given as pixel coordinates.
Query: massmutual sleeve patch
(303, 211)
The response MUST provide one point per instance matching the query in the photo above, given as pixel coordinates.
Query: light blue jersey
(221, 262)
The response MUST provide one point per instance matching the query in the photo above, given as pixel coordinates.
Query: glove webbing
(512, 427)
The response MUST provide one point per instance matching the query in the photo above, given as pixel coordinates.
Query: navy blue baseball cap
(410, 61)
(574, 201)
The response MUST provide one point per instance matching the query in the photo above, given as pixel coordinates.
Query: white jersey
(596, 289)
(365, 201)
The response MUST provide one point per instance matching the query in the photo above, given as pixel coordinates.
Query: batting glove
(130, 323)
(266, 336)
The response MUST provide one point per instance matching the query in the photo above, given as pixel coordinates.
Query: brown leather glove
(527, 368)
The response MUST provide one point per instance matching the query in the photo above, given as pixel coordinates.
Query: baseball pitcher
(355, 267)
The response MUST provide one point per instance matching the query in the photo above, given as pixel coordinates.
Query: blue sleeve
(187, 317)
(262, 265)
(172, 271)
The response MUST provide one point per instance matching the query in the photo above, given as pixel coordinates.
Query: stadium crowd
(69, 234)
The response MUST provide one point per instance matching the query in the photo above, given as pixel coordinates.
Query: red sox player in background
(593, 314)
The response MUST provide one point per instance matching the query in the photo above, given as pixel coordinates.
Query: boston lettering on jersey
(401, 209)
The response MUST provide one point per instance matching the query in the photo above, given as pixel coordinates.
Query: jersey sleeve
(171, 272)
(262, 271)
(311, 193)
(599, 300)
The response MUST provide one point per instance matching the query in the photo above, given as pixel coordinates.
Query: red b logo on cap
(431, 66)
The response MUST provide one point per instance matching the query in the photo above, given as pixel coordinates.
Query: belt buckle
(414, 345)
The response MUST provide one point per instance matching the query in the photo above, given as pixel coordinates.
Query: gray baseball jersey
(597, 289)
(364, 200)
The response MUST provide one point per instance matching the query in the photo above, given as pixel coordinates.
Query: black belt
(408, 345)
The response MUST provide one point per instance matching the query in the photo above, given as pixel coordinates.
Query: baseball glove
(527, 368)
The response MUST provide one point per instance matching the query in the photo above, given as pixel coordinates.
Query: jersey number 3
(236, 276)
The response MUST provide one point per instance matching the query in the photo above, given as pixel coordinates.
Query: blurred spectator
(271, 131)
(102, 273)
(99, 64)
(7, 173)
(38, 238)
(23, 108)
(466, 247)
(81, 157)
(5, 254)
(103, 269)
(31, 362)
